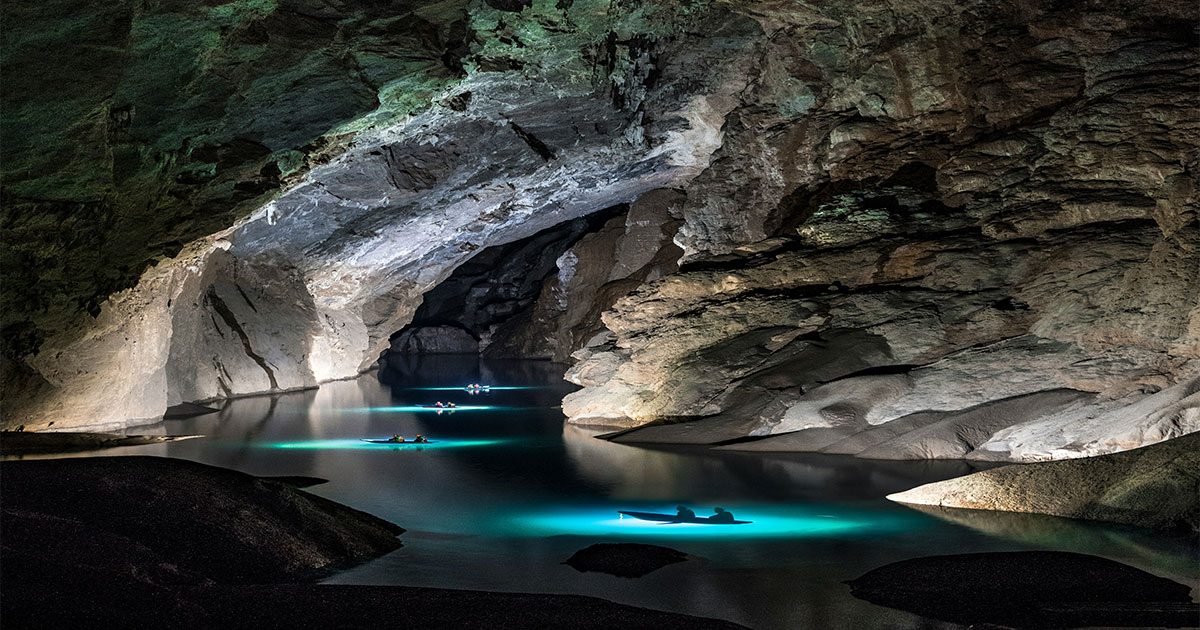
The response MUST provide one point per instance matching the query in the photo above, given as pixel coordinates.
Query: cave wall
(918, 214)
(920, 229)
(561, 110)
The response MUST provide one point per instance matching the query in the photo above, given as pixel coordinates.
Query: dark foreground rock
(140, 542)
(1029, 589)
(338, 606)
(1153, 486)
(629, 560)
(161, 520)
(22, 442)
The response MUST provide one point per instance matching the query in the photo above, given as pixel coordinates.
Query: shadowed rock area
(18, 442)
(1154, 486)
(1029, 589)
(157, 542)
(628, 560)
(337, 606)
(68, 517)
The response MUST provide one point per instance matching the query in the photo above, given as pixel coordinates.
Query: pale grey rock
(310, 287)
(1153, 486)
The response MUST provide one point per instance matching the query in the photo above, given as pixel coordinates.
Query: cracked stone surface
(969, 235)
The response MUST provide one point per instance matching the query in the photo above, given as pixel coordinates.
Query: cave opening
(493, 292)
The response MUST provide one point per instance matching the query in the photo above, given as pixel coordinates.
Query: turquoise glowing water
(507, 493)
(375, 446)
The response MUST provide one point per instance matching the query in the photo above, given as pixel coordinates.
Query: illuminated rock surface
(1154, 486)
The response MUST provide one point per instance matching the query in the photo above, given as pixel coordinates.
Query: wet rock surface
(18, 442)
(628, 560)
(1030, 589)
(1153, 486)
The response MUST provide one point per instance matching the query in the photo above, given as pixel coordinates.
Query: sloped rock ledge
(1154, 486)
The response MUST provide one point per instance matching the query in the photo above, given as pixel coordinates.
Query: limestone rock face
(603, 266)
(931, 230)
(1154, 486)
(557, 112)
(921, 229)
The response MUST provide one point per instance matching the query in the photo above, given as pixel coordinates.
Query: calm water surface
(508, 493)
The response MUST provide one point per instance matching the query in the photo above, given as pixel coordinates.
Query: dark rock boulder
(628, 560)
(165, 521)
(1029, 589)
(512, 6)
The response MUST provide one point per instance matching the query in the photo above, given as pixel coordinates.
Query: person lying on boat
(420, 439)
(721, 516)
(396, 438)
(438, 404)
(682, 511)
(450, 405)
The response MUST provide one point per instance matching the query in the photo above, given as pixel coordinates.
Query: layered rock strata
(972, 223)
(967, 232)
(563, 110)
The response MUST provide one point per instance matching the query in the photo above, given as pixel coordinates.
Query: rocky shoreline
(148, 541)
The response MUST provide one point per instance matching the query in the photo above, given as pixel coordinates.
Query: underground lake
(508, 491)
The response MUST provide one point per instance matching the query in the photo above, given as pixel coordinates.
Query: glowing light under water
(769, 521)
(392, 446)
(464, 389)
(419, 408)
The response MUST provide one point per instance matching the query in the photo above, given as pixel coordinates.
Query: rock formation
(927, 229)
(1030, 589)
(934, 244)
(1153, 486)
(158, 542)
(627, 560)
(555, 113)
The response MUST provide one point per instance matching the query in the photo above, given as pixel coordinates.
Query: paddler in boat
(721, 516)
(683, 511)
(420, 439)
(396, 438)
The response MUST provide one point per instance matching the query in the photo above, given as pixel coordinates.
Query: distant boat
(675, 518)
(477, 389)
(406, 442)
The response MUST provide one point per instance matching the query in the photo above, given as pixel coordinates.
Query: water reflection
(1173, 556)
